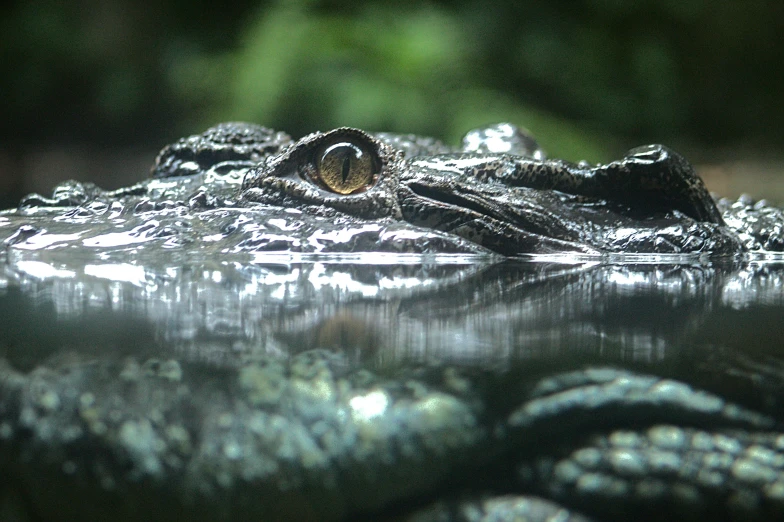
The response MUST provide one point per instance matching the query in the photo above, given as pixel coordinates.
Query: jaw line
(458, 202)
(473, 211)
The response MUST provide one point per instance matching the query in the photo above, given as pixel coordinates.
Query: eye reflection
(346, 168)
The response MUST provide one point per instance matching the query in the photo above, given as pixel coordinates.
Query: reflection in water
(466, 312)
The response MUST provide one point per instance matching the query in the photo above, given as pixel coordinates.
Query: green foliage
(379, 67)
(588, 77)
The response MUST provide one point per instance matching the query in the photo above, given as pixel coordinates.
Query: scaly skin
(495, 194)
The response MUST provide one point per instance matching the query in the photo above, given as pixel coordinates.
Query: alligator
(167, 352)
(243, 187)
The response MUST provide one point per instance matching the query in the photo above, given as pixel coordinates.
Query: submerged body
(238, 391)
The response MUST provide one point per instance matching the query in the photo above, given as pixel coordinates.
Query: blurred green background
(92, 89)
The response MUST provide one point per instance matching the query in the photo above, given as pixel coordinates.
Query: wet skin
(496, 193)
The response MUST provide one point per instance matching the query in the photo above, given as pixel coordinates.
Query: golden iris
(346, 168)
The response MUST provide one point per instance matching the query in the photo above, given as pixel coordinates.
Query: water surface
(323, 387)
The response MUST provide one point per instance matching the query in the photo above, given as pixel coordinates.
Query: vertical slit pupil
(346, 167)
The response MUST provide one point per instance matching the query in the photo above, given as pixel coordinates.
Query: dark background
(92, 89)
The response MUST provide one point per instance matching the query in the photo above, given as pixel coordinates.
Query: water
(286, 387)
(385, 311)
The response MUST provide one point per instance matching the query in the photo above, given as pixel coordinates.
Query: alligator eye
(346, 168)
